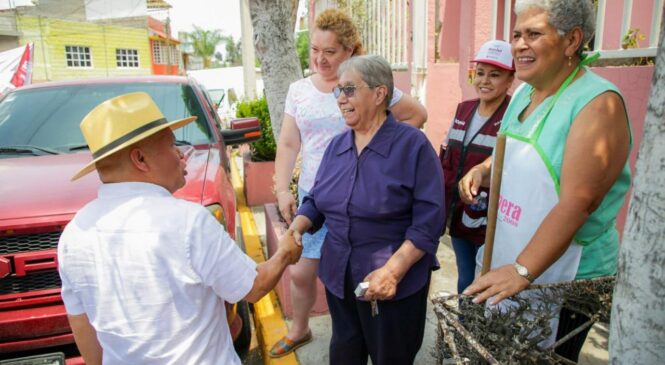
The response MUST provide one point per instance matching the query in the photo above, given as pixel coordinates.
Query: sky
(210, 14)
(207, 14)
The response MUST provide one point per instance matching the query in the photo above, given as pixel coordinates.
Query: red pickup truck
(41, 147)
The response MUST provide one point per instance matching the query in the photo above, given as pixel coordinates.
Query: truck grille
(48, 279)
(36, 281)
(28, 242)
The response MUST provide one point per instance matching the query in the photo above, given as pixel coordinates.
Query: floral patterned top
(318, 119)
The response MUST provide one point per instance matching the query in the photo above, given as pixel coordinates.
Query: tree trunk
(637, 327)
(274, 24)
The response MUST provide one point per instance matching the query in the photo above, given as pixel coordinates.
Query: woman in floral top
(311, 119)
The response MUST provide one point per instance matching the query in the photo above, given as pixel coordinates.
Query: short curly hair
(565, 15)
(340, 23)
(374, 70)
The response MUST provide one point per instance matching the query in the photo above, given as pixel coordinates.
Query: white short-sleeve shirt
(319, 119)
(152, 273)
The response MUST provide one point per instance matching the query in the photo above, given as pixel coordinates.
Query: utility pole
(248, 56)
(44, 50)
(167, 26)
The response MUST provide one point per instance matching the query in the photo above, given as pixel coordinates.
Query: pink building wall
(635, 86)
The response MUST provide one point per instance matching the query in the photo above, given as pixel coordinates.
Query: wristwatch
(523, 272)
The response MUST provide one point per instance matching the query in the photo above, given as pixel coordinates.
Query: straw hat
(497, 53)
(120, 122)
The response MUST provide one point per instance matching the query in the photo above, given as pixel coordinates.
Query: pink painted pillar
(466, 26)
(311, 11)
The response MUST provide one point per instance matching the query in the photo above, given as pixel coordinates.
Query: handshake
(270, 271)
(290, 245)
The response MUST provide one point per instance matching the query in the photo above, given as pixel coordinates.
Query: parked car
(41, 147)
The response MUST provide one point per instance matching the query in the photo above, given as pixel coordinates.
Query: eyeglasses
(348, 90)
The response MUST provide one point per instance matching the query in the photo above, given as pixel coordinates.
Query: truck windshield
(49, 118)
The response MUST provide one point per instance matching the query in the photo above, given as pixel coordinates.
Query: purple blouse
(373, 202)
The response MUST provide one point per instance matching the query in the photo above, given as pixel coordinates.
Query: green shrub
(264, 148)
(302, 48)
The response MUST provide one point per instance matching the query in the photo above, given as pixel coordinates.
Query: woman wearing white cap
(470, 141)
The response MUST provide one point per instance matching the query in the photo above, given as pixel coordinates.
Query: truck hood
(36, 188)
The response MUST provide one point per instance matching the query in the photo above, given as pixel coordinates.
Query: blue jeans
(465, 255)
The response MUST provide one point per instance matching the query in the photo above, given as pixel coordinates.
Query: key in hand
(375, 308)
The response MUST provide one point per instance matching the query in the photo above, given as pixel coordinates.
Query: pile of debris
(471, 333)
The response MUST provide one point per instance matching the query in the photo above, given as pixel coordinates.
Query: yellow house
(70, 50)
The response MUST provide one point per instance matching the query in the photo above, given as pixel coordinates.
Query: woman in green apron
(565, 172)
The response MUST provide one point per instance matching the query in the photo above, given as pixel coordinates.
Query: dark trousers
(392, 337)
(568, 321)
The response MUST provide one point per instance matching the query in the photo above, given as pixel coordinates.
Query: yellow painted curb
(268, 317)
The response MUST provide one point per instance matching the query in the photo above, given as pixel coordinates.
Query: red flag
(23, 75)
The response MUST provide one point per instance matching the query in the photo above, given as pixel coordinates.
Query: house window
(163, 53)
(157, 52)
(127, 58)
(78, 56)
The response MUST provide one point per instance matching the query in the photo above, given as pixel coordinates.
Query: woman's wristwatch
(523, 272)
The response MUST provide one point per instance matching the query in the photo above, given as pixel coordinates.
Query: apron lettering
(510, 212)
(516, 213)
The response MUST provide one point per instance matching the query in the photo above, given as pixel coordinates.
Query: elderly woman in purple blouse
(380, 192)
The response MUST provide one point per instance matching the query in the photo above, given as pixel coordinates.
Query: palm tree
(204, 43)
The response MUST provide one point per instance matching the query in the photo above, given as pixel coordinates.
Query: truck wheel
(245, 338)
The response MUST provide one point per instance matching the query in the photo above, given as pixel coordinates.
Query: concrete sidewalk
(594, 351)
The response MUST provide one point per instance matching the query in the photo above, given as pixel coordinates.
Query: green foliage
(233, 51)
(263, 149)
(302, 47)
(204, 43)
(632, 38)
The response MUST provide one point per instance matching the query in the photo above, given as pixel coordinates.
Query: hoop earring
(570, 61)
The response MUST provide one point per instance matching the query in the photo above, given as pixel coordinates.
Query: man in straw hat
(145, 275)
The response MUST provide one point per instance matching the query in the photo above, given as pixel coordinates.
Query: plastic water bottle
(481, 202)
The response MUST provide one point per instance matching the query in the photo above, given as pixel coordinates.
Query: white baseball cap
(497, 53)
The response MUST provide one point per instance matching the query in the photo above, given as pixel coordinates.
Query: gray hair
(373, 69)
(565, 15)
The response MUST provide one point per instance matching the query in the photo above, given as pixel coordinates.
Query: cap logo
(496, 52)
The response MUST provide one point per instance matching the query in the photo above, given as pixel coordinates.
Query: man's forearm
(268, 274)
(85, 337)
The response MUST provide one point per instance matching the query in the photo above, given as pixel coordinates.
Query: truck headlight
(217, 212)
